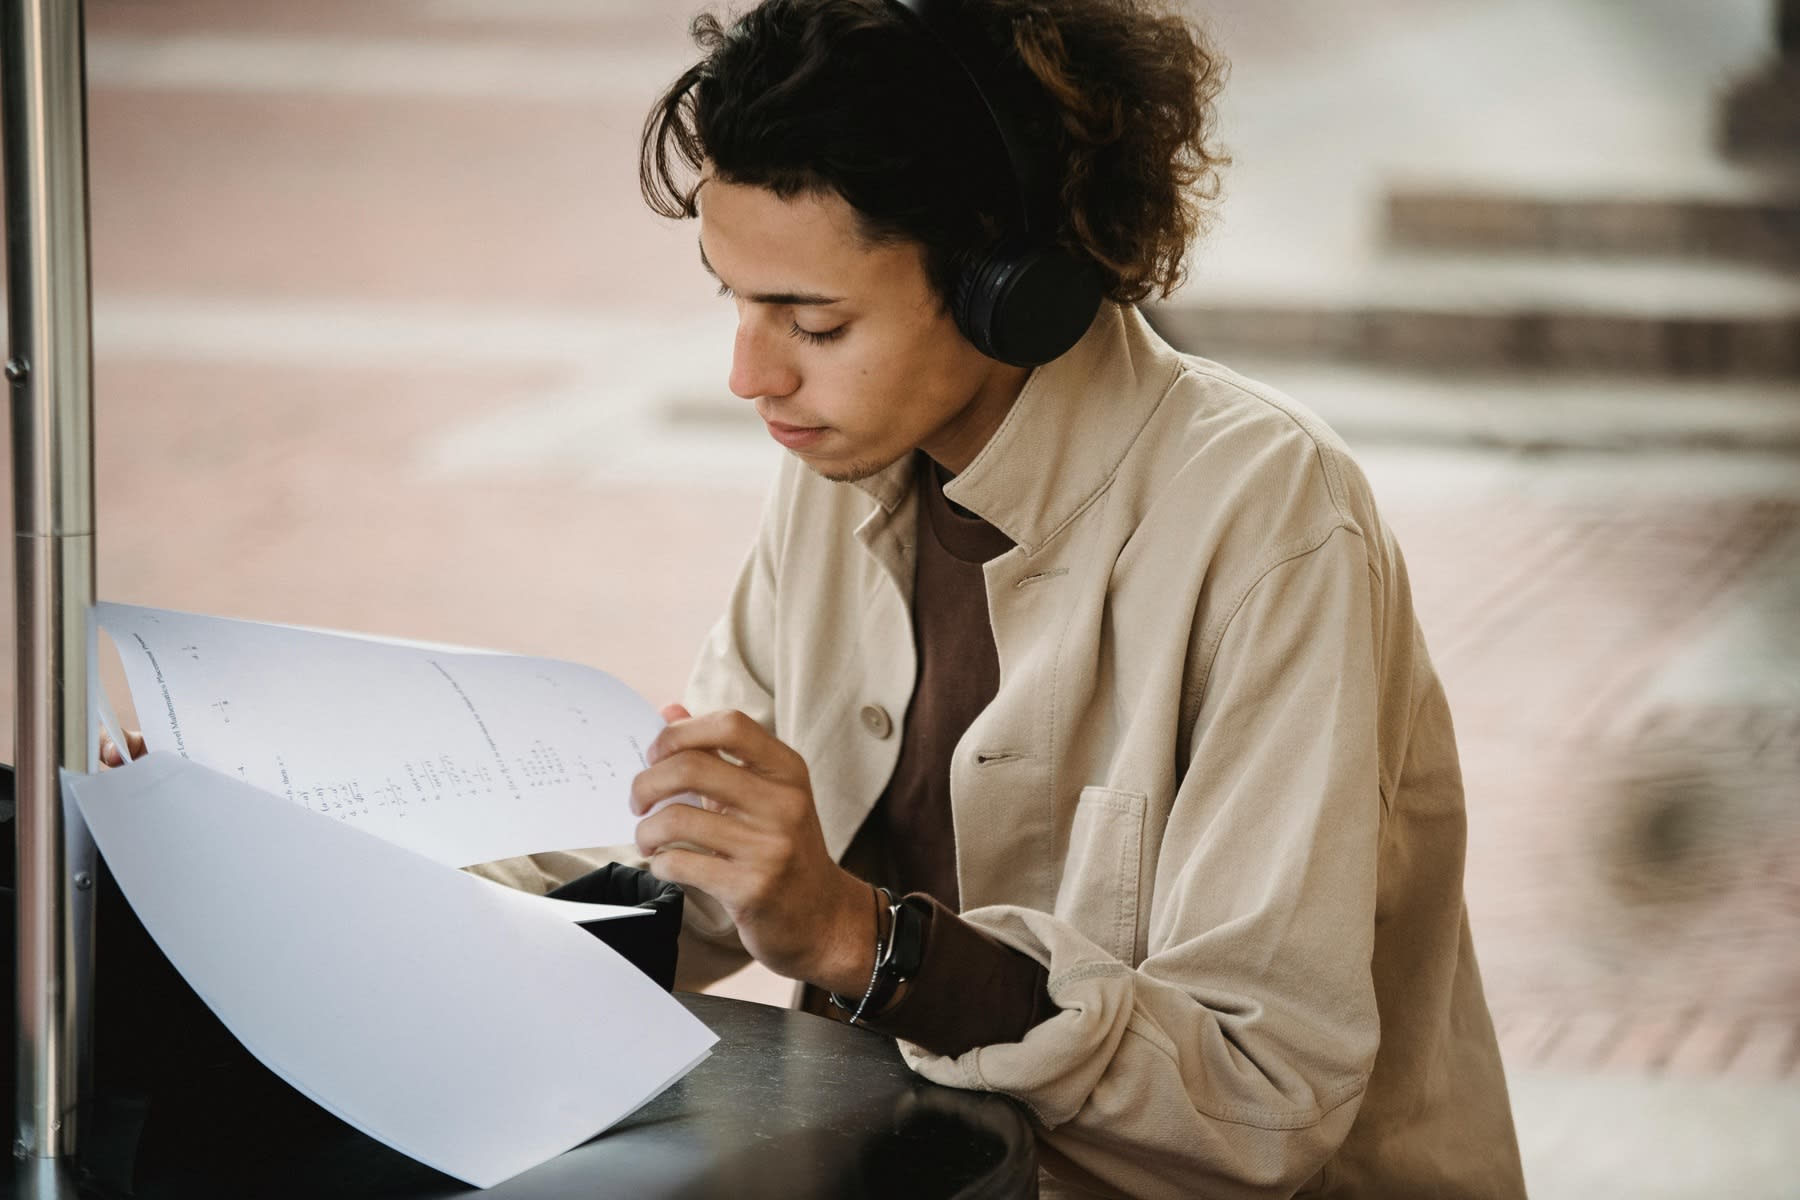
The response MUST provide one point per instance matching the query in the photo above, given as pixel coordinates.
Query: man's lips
(794, 436)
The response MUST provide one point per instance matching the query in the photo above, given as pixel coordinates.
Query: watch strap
(904, 952)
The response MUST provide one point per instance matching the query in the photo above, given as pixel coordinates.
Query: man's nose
(759, 363)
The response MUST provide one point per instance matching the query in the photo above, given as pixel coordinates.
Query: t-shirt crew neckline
(962, 534)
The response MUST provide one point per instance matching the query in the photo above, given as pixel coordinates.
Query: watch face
(908, 940)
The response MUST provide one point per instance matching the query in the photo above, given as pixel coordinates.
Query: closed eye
(815, 337)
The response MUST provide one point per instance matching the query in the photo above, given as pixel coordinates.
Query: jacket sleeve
(735, 669)
(1230, 1061)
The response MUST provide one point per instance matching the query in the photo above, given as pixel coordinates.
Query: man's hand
(109, 753)
(755, 846)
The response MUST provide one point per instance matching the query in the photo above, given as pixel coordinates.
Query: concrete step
(1752, 221)
(1582, 1136)
(1513, 312)
(1539, 412)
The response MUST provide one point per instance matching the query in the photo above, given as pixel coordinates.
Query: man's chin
(854, 471)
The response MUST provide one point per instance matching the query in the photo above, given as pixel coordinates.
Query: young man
(1096, 657)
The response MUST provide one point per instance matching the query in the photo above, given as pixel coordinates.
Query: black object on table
(790, 1105)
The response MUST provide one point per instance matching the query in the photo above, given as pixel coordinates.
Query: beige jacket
(1217, 792)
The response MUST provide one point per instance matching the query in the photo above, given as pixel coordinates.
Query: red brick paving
(478, 212)
(605, 24)
(1547, 624)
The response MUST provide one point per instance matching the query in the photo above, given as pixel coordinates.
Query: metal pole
(49, 368)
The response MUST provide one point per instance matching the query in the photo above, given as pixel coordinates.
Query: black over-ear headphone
(1026, 300)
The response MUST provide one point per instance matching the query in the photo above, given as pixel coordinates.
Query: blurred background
(386, 341)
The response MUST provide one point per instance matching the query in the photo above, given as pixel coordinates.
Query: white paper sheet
(464, 757)
(474, 1028)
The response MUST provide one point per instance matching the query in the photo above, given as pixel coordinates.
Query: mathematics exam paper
(290, 842)
(461, 756)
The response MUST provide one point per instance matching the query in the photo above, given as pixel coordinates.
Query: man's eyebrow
(784, 299)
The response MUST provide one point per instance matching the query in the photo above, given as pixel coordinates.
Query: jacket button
(876, 720)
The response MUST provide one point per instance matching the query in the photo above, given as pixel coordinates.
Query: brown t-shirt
(970, 989)
(959, 672)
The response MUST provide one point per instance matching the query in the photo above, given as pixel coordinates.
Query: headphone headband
(1024, 301)
(945, 22)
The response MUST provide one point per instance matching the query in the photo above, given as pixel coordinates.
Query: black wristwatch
(905, 950)
(897, 958)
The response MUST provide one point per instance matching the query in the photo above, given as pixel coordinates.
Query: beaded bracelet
(875, 971)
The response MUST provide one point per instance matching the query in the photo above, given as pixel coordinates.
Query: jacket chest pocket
(1098, 894)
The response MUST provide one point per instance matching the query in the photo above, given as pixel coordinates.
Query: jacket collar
(1065, 436)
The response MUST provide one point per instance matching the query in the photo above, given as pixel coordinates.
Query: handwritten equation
(463, 756)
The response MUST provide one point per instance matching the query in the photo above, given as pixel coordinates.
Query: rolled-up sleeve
(735, 666)
(734, 669)
(1230, 1061)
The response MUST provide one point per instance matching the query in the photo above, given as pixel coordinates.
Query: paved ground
(386, 342)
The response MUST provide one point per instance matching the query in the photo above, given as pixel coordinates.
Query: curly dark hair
(848, 96)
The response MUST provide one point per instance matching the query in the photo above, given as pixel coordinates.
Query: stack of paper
(289, 843)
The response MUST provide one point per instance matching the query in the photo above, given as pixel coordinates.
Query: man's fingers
(683, 825)
(109, 750)
(721, 787)
(726, 880)
(704, 774)
(692, 869)
(729, 732)
(676, 712)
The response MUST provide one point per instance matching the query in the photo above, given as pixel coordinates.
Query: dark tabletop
(789, 1105)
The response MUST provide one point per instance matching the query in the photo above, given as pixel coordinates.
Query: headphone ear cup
(972, 303)
(1026, 305)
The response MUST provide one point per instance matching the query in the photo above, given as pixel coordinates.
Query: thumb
(675, 712)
